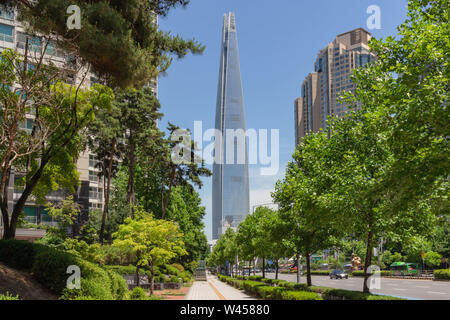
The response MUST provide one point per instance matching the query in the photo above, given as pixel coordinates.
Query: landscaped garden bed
(270, 289)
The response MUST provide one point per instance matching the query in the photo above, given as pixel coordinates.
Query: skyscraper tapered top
(230, 180)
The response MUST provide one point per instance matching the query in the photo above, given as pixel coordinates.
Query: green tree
(246, 233)
(407, 93)
(432, 259)
(104, 137)
(43, 155)
(224, 251)
(139, 115)
(186, 211)
(304, 199)
(154, 242)
(111, 31)
(175, 173)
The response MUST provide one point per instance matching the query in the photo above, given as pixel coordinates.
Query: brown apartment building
(321, 89)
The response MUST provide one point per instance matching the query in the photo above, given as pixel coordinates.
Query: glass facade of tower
(230, 199)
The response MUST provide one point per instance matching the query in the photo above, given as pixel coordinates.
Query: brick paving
(214, 289)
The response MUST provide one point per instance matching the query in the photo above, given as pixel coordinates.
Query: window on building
(34, 43)
(45, 216)
(92, 161)
(6, 33)
(30, 214)
(93, 176)
(6, 13)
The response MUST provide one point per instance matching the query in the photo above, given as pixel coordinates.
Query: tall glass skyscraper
(230, 199)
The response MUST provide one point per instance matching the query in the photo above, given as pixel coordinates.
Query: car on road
(338, 274)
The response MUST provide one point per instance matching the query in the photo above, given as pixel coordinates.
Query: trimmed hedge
(49, 267)
(271, 289)
(300, 295)
(271, 293)
(383, 273)
(267, 292)
(320, 272)
(442, 274)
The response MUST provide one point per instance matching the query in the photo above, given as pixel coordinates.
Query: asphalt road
(411, 289)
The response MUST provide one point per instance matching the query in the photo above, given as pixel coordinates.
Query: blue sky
(278, 44)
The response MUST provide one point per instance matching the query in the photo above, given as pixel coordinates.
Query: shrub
(300, 295)
(330, 294)
(270, 293)
(255, 278)
(320, 272)
(269, 281)
(8, 296)
(442, 274)
(293, 285)
(138, 294)
(178, 266)
(174, 279)
(119, 286)
(123, 270)
(238, 284)
(49, 267)
(186, 276)
(223, 278)
(17, 254)
(172, 271)
(377, 297)
(96, 283)
(250, 286)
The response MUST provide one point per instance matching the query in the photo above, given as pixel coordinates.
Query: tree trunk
(263, 269)
(152, 280)
(138, 279)
(276, 269)
(10, 233)
(254, 267)
(298, 268)
(131, 164)
(105, 207)
(4, 202)
(166, 202)
(308, 270)
(368, 260)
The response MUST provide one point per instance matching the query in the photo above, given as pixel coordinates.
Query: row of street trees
(383, 170)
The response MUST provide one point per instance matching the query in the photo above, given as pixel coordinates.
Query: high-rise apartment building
(321, 89)
(230, 194)
(90, 193)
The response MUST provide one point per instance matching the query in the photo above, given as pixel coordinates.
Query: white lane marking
(423, 287)
(435, 292)
(400, 289)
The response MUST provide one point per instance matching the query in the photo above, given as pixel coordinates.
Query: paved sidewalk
(214, 289)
